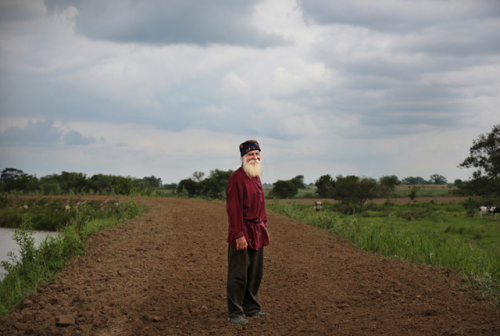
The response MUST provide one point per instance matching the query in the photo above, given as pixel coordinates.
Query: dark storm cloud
(168, 21)
(76, 138)
(397, 17)
(18, 11)
(34, 133)
(461, 39)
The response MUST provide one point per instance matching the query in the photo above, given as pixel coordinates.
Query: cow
(318, 206)
(495, 212)
(483, 210)
(488, 211)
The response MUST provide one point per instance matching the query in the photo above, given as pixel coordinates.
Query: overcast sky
(169, 87)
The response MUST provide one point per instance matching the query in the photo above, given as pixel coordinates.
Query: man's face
(253, 155)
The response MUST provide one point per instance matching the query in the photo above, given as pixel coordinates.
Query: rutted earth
(163, 273)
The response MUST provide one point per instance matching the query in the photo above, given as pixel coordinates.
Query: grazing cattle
(318, 206)
(483, 210)
(495, 212)
(489, 211)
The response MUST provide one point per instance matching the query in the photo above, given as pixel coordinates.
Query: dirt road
(164, 274)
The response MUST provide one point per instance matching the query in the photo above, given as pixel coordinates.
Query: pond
(8, 244)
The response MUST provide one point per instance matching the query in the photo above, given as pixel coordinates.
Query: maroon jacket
(246, 210)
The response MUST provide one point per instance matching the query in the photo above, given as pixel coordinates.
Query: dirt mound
(164, 274)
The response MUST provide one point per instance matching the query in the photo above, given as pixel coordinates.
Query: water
(8, 244)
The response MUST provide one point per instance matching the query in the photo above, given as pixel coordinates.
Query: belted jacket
(246, 210)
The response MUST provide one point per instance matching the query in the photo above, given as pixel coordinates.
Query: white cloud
(232, 84)
(358, 89)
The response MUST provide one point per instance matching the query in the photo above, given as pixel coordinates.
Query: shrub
(472, 204)
(284, 189)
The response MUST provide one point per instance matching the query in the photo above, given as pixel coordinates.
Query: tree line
(485, 181)
(12, 179)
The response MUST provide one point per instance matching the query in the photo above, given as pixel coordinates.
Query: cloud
(403, 73)
(396, 16)
(232, 84)
(162, 22)
(21, 10)
(76, 138)
(358, 87)
(39, 132)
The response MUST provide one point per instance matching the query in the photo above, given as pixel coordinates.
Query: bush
(284, 189)
(371, 207)
(417, 210)
(51, 189)
(472, 204)
(348, 209)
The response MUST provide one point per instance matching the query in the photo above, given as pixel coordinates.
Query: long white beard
(252, 168)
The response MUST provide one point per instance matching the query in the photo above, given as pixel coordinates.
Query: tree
(326, 185)
(16, 179)
(437, 179)
(352, 189)
(170, 186)
(11, 174)
(198, 176)
(485, 158)
(387, 185)
(413, 180)
(413, 192)
(122, 185)
(485, 155)
(457, 182)
(151, 181)
(298, 181)
(56, 184)
(190, 185)
(100, 183)
(214, 186)
(284, 189)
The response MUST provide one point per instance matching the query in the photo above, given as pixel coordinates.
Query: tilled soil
(164, 272)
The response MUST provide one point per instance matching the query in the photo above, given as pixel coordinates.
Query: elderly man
(247, 235)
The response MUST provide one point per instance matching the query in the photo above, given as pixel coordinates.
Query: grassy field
(425, 191)
(439, 234)
(401, 191)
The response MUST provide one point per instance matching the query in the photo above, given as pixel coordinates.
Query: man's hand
(241, 243)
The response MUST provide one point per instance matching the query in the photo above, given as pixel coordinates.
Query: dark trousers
(244, 274)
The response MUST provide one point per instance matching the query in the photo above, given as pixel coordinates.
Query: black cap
(248, 146)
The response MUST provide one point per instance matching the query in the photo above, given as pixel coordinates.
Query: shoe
(259, 314)
(238, 320)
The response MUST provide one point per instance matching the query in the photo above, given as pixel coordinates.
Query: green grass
(437, 234)
(54, 213)
(400, 192)
(35, 266)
